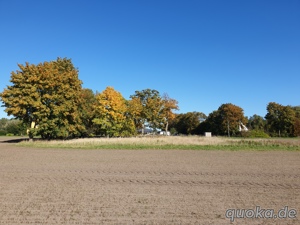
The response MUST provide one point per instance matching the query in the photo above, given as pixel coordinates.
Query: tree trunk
(167, 126)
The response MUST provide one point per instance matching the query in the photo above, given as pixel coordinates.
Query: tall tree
(46, 98)
(231, 117)
(169, 104)
(225, 120)
(211, 124)
(135, 109)
(87, 109)
(280, 119)
(152, 106)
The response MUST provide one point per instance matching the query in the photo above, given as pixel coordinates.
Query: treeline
(48, 100)
(280, 121)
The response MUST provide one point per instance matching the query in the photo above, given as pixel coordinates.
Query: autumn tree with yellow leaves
(113, 119)
(46, 98)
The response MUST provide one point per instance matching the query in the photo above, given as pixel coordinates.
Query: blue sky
(202, 53)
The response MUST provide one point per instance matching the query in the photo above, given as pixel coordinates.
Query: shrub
(258, 134)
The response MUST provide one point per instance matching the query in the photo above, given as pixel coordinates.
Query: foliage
(187, 123)
(12, 126)
(46, 96)
(147, 107)
(87, 109)
(256, 122)
(280, 120)
(169, 104)
(151, 113)
(112, 108)
(16, 127)
(255, 134)
(135, 109)
(225, 120)
(297, 127)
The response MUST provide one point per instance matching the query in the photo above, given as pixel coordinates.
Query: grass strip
(236, 146)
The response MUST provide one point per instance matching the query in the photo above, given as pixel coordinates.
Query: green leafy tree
(87, 107)
(225, 120)
(188, 123)
(152, 108)
(256, 122)
(46, 98)
(280, 119)
(3, 124)
(211, 124)
(15, 127)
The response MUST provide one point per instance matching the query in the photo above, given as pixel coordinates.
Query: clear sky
(203, 53)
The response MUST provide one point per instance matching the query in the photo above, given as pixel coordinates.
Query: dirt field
(54, 186)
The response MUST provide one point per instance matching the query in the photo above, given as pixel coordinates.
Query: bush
(2, 132)
(9, 134)
(258, 134)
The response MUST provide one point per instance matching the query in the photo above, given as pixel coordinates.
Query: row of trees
(280, 121)
(48, 100)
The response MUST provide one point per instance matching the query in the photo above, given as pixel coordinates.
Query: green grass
(172, 143)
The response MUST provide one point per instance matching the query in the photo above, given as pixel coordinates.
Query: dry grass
(156, 140)
(171, 142)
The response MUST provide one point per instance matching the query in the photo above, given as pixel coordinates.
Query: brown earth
(55, 186)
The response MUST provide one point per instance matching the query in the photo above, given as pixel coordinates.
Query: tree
(211, 124)
(297, 127)
(46, 98)
(15, 127)
(135, 109)
(112, 109)
(225, 120)
(297, 121)
(152, 106)
(188, 123)
(169, 105)
(87, 109)
(280, 119)
(231, 117)
(256, 122)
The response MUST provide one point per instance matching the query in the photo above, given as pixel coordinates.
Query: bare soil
(61, 186)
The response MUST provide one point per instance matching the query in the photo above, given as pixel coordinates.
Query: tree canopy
(46, 98)
(282, 120)
(225, 120)
(111, 110)
(151, 109)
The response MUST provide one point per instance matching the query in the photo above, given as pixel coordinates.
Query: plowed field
(61, 186)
